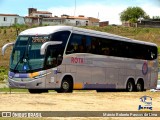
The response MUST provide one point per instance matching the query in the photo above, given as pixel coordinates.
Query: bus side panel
(98, 77)
(121, 78)
(153, 65)
(112, 78)
(76, 68)
(83, 75)
(53, 79)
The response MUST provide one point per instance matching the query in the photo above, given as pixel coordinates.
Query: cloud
(151, 9)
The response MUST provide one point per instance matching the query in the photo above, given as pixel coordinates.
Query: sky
(105, 10)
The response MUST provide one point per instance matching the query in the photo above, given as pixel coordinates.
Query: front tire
(66, 86)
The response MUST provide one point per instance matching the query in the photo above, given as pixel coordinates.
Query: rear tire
(66, 86)
(130, 87)
(139, 86)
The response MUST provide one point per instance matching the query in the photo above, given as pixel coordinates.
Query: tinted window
(60, 36)
(79, 44)
(110, 47)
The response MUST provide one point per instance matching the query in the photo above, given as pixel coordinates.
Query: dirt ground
(78, 101)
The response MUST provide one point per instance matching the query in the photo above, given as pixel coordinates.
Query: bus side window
(77, 44)
(106, 51)
(72, 48)
(94, 45)
(82, 46)
(152, 53)
(88, 44)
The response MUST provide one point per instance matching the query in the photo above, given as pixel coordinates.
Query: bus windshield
(26, 55)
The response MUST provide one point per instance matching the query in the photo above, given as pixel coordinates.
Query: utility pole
(98, 16)
(75, 8)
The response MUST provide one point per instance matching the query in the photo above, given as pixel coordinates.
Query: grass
(12, 90)
(6, 90)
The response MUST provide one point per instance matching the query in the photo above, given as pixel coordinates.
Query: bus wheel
(139, 86)
(130, 87)
(66, 86)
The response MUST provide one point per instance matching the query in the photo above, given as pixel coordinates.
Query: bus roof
(46, 30)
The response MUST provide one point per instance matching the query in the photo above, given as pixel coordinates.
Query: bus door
(53, 67)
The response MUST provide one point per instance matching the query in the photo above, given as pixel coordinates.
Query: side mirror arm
(6, 46)
(46, 44)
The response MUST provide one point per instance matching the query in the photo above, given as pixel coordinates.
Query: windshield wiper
(19, 61)
(22, 58)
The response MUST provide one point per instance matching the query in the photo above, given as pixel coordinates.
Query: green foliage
(3, 73)
(158, 49)
(132, 14)
(7, 89)
(20, 26)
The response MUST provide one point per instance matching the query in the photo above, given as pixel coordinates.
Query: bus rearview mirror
(46, 44)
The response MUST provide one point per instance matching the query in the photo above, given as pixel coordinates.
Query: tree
(132, 14)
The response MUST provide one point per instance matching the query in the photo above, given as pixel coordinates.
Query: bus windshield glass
(26, 53)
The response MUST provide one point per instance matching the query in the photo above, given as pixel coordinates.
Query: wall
(149, 23)
(11, 20)
(41, 14)
(76, 22)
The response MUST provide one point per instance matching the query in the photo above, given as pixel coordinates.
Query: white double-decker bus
(65, 58)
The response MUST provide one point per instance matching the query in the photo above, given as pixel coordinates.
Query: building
(53, 21)
(35, 17)
(34, 13)
(129, 24)
(10, 19)
(153, 23)
(103, 23)
(31, 20)
(75, 20)
(149, 23)
(93, 21)
(80, 20)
